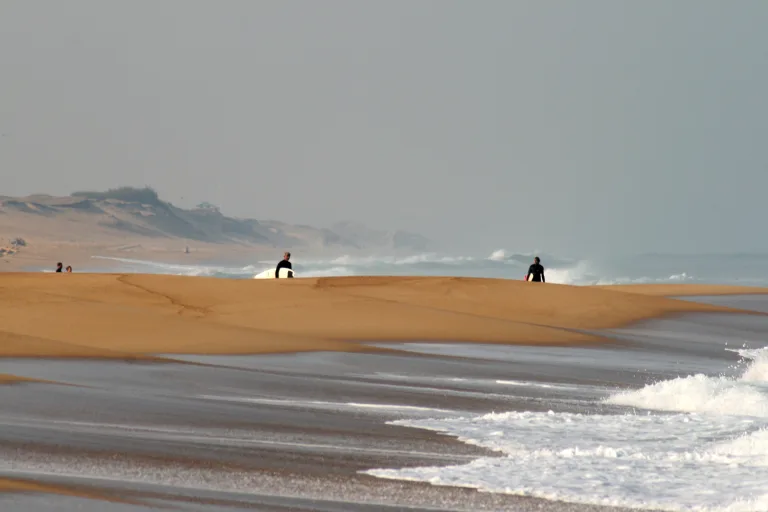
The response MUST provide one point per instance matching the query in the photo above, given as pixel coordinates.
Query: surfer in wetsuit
(536, 271)
(284, 263)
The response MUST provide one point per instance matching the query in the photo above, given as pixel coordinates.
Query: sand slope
(135, 316)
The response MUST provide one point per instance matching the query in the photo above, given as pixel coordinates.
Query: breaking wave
(499, 263)
(706, 448)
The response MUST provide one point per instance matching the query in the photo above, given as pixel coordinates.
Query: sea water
(743, 269)
(696, 442)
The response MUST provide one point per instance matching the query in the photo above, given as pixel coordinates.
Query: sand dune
(136, 223)
(136, 316)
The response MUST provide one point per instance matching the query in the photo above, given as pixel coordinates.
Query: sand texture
(135, 316)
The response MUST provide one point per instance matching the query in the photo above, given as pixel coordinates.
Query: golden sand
(8, 379)
(14, 379)
(135, 316)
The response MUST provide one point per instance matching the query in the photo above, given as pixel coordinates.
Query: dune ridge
(135, 316)
(136, 223)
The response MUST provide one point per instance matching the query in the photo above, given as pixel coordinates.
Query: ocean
(737, 269)
(697, 442)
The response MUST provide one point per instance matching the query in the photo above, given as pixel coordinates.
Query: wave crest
(704, 394)
(500, 263)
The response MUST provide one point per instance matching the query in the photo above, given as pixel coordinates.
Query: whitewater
(642, 269)
(693, 443)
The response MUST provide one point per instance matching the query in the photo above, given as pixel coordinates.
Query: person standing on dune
(536, 272)
(284, 263)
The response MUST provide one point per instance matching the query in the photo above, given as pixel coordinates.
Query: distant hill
(138, 214)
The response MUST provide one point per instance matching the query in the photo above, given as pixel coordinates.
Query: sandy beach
(274, 394)
(108, 315)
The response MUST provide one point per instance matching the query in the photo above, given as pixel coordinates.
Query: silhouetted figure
(59, 266)
(284, 263)
(536, 271)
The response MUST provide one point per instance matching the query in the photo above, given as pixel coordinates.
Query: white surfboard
(270, 274)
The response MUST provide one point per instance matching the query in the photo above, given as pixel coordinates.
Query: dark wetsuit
(536, 273)
(283, 264)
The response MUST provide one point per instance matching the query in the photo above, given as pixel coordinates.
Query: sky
(590, 127)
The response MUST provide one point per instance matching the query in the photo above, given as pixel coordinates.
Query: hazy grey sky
(569, 126)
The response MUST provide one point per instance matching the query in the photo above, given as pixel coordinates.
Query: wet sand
(193, 422)
(289, 431)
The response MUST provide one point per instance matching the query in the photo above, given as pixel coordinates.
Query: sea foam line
(322, 404)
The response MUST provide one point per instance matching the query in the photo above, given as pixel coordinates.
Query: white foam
(322, 404)
(710, 453)
(757, 372)
(369, 261)
(499, 264)
(155, 267)
(330, 272)
(395, 407)
(530, 384)
(743, 396)
(653, 462)
(498, 255)
(700, 394)
(579, 274)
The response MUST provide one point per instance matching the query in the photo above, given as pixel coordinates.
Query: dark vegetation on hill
(146, 195)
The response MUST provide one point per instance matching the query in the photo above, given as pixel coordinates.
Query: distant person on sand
(59, 266)
(284, 263)
(69, 268)
(535, 272)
